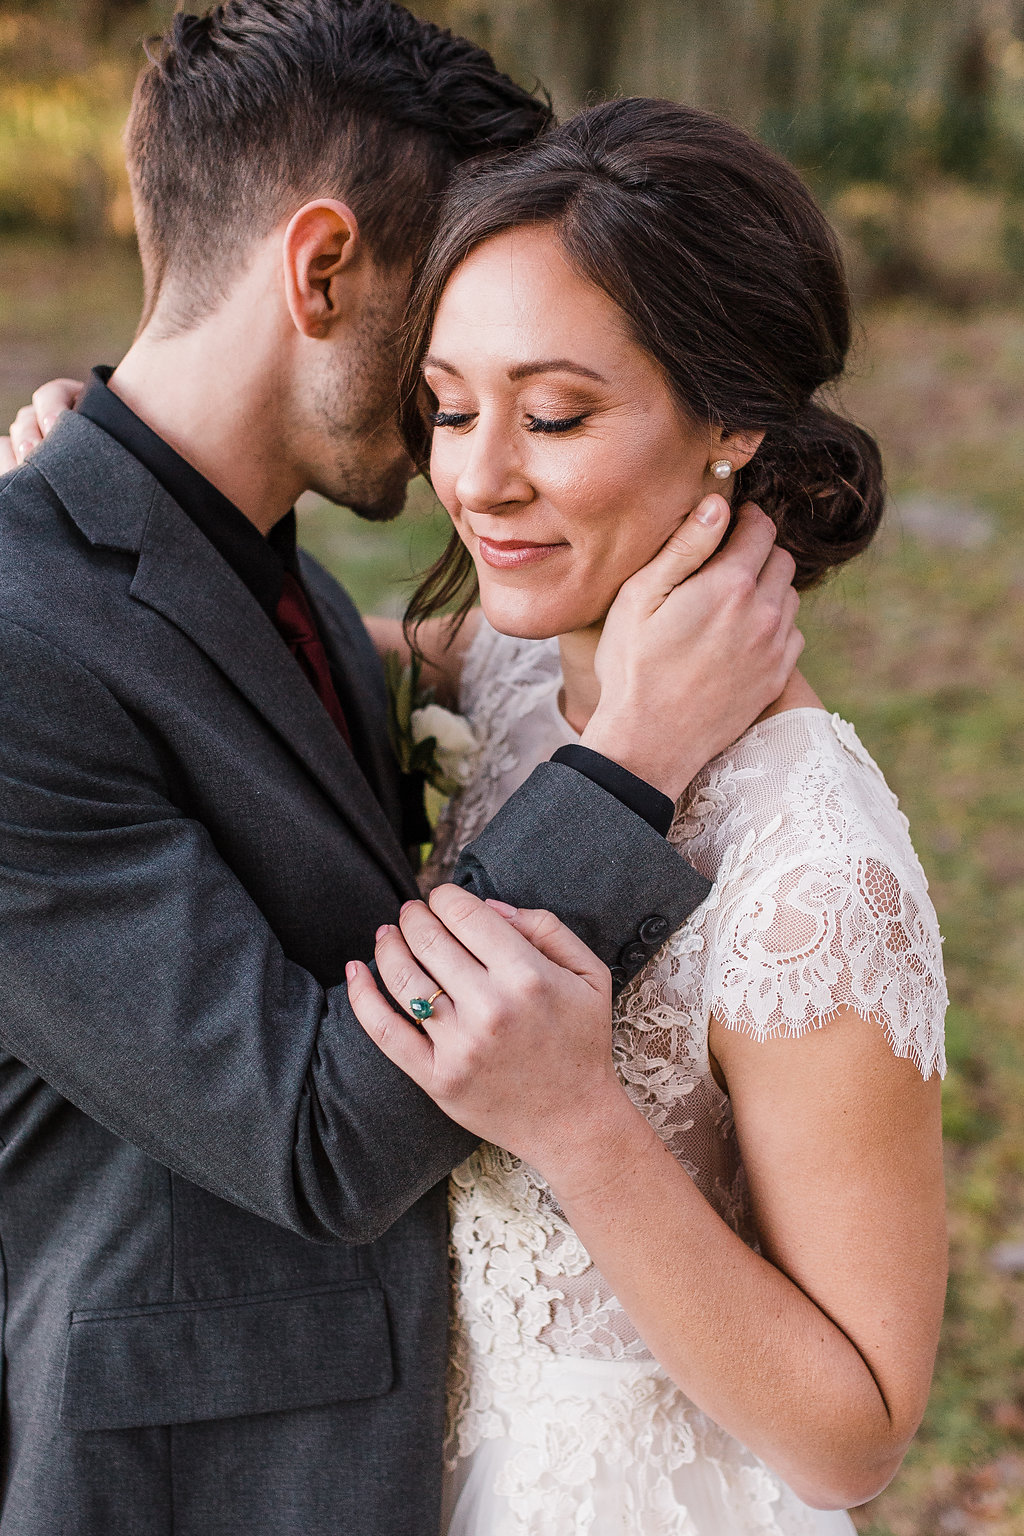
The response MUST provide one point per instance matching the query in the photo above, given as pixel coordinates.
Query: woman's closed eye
(454, 419)
(450, 418)
(559, 424)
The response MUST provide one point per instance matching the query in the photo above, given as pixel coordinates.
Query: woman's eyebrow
(525, 370)
(439, 362)
(552, 365)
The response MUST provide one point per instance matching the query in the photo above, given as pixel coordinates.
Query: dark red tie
(298, 627)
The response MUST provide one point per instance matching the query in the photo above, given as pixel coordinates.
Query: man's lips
(508, 554)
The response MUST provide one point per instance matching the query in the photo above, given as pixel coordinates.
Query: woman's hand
(816, 1352)
(34, 421)
(519, 1046)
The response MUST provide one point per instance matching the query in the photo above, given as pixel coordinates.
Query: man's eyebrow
(520, 371)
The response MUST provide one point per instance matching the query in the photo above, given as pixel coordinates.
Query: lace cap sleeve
(820, 903)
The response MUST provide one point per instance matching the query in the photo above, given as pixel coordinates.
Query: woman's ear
(738, 447)
(320, 252)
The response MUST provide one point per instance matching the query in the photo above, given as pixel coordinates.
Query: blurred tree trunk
(864, 89)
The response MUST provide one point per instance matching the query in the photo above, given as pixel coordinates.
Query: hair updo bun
(730, 277)
(821, 482)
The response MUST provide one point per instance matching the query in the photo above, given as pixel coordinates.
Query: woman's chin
(527, 616)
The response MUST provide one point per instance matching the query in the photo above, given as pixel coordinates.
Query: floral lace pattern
(675, 1472)
(819, 903)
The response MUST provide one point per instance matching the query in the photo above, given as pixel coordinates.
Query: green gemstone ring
(423, 1007)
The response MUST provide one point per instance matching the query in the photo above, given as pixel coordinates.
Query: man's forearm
(563, 843)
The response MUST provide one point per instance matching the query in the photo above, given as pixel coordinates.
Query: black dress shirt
(261, 561)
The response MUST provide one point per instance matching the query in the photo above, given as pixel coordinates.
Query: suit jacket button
(633, 955)
(654, 929)
(618, 975)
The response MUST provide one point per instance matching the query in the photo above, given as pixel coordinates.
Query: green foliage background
(887, 105)
(908, 118)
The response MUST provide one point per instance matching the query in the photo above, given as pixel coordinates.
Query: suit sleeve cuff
(636, 794)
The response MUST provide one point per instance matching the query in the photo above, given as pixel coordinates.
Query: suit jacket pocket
(178, 1363)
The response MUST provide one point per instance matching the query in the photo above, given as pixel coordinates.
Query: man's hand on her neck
(695, 647)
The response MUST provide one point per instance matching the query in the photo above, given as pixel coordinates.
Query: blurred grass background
(908, 119)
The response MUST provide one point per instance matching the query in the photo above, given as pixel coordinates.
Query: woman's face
(559, 450)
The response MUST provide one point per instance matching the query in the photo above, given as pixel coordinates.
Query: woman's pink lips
(507, 555)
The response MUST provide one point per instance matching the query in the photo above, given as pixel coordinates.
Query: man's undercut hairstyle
(247, 112)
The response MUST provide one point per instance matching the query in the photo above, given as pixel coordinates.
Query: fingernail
(407, 904)
(710, 511)
(502, 907)
(351, 971)
(48, 421)
(20, 452)
(381, 931)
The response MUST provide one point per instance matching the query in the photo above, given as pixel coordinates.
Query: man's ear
(320, 251)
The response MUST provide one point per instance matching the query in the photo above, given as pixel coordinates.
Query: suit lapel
(117, 504)
(183, 578)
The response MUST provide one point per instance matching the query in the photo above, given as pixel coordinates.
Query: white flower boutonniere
(428, 739)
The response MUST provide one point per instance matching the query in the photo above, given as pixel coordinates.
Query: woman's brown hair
(730, 277)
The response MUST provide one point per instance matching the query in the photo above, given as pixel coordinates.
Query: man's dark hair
(259, 105)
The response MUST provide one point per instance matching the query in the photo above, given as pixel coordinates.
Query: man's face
(350, 408)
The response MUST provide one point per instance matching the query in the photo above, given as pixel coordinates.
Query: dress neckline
(570, 736)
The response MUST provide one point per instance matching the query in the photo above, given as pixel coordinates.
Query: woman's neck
(580, 690)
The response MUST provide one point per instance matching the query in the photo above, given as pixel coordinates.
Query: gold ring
(423, 1007)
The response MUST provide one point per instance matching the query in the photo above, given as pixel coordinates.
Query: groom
(222, 1209)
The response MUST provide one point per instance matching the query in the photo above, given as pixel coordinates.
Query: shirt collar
(258, 562)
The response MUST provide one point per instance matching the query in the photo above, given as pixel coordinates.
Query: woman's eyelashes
(454, 419)
(450, 418)
(561, 424)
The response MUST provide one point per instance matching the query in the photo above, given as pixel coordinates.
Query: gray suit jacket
(222, 1211)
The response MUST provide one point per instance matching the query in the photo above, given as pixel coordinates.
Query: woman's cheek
(443, 477)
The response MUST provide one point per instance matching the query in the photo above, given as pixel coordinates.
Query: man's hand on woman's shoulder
(34, 421)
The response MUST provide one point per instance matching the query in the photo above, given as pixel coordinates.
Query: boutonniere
(428, 739)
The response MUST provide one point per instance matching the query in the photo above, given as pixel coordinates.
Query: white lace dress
(560, 1423)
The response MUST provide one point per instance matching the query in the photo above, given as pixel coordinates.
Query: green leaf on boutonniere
(402, 685)
(412, 711)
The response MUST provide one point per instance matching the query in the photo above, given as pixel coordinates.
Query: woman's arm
(443, 653)
(818, 1355)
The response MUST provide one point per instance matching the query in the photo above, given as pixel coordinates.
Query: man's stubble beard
(355, 407)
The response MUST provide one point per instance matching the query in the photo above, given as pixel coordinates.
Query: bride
(700, 1292)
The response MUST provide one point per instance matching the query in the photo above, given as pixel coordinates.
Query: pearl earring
(721, 469)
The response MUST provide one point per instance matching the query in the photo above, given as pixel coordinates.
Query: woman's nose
(490, 477)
